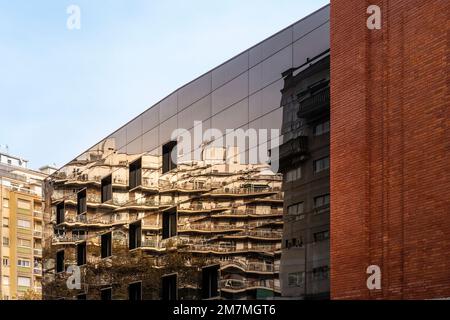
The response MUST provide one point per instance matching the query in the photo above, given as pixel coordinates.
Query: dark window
(81, 254)
(322, 128)
(60, 212)
(210, 282)
(295, 209)
(82, 296)
(81, 202)
(107, 188)
(169, 224)
(321, 164)
(135, 174)
(320, 273)
(169, 287)
(321, 236)
(106, 245)
(135, 235)
(169, 149)
(322, 201)
(106, 294)
(135, 291)
(78, 235)
(60, 261)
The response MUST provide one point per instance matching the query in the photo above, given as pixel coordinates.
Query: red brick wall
(390, 144)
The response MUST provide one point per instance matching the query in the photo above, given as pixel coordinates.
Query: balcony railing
(293, 148)
(37, 252)
(235, 284)
(37, 233)
(315, 104)
(70, 239)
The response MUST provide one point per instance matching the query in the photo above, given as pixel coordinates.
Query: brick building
(389, 164)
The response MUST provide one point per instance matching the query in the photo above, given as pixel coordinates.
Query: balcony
(38, 214)
(37, 271)
(67, 239)
(315, 105)
(291, 149)
(37, 234)
(240, 285)
(37, 252)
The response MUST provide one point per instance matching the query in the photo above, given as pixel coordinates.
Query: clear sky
(63, 90)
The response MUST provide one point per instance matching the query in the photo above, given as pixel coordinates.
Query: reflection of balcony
(261, 234)
(251, 267)
(241, 285)
(37, 234)
(209, 228)
(228, 248)
(155, 244)
(37, 252)
(293, 148)
(315, 105)
(37, 271)
(38, 214)
(67, 239)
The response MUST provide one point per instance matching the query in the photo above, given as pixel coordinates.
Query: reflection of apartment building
(305, 163)
(145, 221)
(21, 230)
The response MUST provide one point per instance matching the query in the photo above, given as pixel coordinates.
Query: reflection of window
(5, 261)
(136, 174)
(106, 240)
(321, 164)
(295, 209)
(60, 261)
(5, 241)
(23, 204)
(106, 294)
(25, 224)
(24, 282)
(134, 235)
(24, 243)
(169, 224)
(320, 273)
(23, 263)
(295, 279)
(322, 128)
(60, 213)
(168, 150)
(135, 291)
(322, 201)
(107, 188)
(210, 282)
(5, 222)
(169, 287)
(81, 202)
(6, 202)
(81, 254)
(321, 236)
(294, 174)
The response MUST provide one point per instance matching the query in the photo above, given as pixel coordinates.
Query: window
(296, 209)
(60, 261)
(134, 235)
(135, 174)
(295, 279)
(106, 241)
(5, 222)
(6, 280)
(321, 164)
(169, 152)
(24, 282)
(135, 291)
(5, 241)
(23, 263)
(322, 201)
(169, 224)
(60, 208)
(320, 273)
(24, 204)
(24, 224)
(322, 128)
(81, 254)
(6, 202)
(294, 175)
(81, 296)
(24, 243)
(5, 261)
(321, 236)
(169, 287)
(81, 202)
(106, 294)
(107, 188)
(210, 282)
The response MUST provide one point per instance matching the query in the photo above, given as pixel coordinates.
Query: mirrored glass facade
(189, 192)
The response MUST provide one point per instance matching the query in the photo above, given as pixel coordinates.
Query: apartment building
(167, 207)
(21, 231)
(305, 164)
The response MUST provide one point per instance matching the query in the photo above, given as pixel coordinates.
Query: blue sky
(61, 91)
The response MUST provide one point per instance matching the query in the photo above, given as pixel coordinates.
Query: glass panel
(166, 129)
(230, 93)
(134, 129)
(150, 140)
(135, 147)
(309, 23)
(194, 91)
(118, 138)
(199, 111)
(312, 44)
(265, 100)
(229, 70)
(168, 107)
(270, 46)
(232, 117)
(150, 118)
(270, 70)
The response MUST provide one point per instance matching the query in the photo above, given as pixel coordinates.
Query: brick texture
(390, 186)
